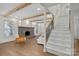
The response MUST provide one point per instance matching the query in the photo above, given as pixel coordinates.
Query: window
(7, 28)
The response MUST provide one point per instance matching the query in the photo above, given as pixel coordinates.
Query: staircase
(60, 41)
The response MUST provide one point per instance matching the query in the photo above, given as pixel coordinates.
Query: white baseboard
(6, 40)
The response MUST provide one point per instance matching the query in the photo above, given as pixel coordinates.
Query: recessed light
(39, 24)
(38, 9)
(27, 22)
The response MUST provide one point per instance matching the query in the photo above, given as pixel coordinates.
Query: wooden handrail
(48, 29)
(50, 22)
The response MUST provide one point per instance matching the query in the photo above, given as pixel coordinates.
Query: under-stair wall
(76, 24)
(60, 41)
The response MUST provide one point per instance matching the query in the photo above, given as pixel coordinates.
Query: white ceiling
(25, 12)
(31, 9)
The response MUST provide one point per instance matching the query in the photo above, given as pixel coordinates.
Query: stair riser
(58, 53)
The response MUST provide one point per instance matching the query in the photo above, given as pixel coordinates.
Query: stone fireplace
(26, 31)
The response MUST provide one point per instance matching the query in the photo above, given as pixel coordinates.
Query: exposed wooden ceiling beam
(17, 8)
(35, 16)
(40, 20)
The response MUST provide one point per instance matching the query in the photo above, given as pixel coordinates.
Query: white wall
(75, 12)
(26, 23)
(15, 24)
(78, 28)
(76, 24)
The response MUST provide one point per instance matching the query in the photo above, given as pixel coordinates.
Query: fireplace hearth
(27, 33)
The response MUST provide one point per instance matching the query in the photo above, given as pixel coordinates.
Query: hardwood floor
(30, 48)
(77, 47)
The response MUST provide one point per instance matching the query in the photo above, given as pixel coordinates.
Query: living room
(39, 29)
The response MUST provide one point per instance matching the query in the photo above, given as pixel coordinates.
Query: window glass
(7, 28)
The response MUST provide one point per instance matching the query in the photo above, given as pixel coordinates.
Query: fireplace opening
(27, 33)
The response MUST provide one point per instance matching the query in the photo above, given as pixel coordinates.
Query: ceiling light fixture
(39, 24)
(19, 22)
(38, 9)
(27, 22)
